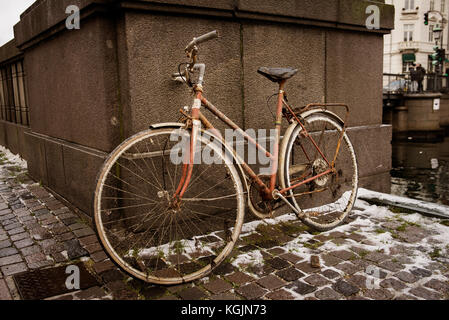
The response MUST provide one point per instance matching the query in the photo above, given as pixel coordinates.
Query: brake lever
(192, 54)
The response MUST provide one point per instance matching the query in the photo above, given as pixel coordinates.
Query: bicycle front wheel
(147, 233)
(328, 199)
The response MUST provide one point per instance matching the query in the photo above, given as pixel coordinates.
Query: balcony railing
(408, 45)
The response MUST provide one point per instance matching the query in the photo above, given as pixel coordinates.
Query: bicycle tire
(338, 190)
(184, 271)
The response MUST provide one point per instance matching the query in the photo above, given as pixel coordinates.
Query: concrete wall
(421, 116)
(12, 136)
(414, 116)
(9, 51)
(444, 111)
(67, 168)
(78, 74)
(92, 87)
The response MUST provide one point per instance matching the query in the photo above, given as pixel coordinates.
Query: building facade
(412, 41)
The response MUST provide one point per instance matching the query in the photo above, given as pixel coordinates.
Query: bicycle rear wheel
(144, 231)
(327, 200)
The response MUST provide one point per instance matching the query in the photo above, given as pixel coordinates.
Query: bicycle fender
(310, 112)
(304, 115)
(167, 125)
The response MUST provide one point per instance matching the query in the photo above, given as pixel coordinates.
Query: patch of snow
(361, 204)
(65, 254)
(414, 218)
(249, 258)
(13, 158)
(437, 208)
(420, 260)
(379, 212)
(203, 280)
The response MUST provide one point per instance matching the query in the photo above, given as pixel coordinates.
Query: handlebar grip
(205, 37)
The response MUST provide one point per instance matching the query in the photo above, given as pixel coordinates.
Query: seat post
(281, 85)
(278, 124)
(279, 104)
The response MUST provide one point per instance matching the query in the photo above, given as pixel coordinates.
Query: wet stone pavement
(381, 253)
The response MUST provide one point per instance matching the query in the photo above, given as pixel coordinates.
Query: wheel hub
(259, 199)
(173, 203)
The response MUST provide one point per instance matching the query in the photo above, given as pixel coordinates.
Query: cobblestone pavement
(379, 254)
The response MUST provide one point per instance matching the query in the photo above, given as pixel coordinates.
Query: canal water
(421, 171)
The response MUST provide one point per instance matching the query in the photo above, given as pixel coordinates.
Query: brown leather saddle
(277, 74)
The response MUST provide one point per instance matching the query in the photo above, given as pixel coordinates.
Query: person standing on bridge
(420, 72)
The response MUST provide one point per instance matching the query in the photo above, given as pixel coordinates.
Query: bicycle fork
(189, 157)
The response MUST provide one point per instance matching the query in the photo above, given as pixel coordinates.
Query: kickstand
(299, 213)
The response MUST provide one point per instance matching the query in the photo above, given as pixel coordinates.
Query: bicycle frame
(267, 191)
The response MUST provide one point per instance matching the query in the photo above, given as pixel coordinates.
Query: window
(443, 6)
(431, 26)
(406, 65)
(409, 5)
(13, 107)
(432, 5)
(408, 32)
(408, 59)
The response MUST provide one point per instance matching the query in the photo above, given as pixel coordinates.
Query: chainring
(264, 208)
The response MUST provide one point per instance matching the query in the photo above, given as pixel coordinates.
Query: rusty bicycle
(169, 202)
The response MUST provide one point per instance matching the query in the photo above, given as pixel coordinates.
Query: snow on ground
(12, 158)
(248, 259)
(418, 204)
(370, 221)
(13, 167)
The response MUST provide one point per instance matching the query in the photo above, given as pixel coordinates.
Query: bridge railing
(401, 83)
(441, 84)
(396, 83)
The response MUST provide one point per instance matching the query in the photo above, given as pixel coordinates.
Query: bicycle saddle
(277, 74)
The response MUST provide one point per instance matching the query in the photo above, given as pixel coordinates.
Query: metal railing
(440, 85)
(395, 83)
(403, 84)
(13, 102)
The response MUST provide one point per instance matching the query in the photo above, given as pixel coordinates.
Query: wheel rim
(329, 199)
(145, 232)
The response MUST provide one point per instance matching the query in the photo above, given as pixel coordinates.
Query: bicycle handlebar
(201, 39)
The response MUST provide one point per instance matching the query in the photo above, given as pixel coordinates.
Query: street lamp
(437, 31)
(438, 36)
